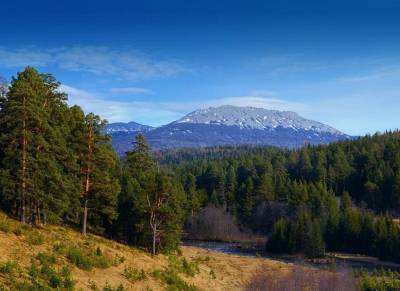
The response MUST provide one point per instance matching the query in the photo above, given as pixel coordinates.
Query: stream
(354, 262)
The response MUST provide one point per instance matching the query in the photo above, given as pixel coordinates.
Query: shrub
(118, 260)
(86, 259)
(181, 265)
(9, 267)
(5, 225)
(35, 238)
(108, 287)
(172, 279)
(59, 248)
(379, 280)
(133, 274)
(212, 274)
(44, 276)
(18, 231)
(46, 259)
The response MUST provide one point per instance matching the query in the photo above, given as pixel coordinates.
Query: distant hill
(229, 125)
(123, 134)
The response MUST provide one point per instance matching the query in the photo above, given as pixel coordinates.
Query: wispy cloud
(123, 64)
(131, 91)
(290, 63)
(380, 73)
(157, 113)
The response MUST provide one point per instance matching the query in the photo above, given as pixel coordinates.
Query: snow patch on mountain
(255, 118)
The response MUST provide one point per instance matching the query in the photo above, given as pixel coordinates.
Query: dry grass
(216, 271)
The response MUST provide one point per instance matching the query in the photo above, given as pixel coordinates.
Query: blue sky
(337, 62)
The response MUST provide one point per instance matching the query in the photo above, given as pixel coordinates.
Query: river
(342, 261)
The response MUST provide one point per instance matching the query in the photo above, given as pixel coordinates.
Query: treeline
(58, 166)
(295, 193)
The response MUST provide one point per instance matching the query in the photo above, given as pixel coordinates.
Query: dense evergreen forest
(58, 166)
(337, 197)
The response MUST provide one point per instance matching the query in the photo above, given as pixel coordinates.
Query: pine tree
(32, 147)
(98, 167)
(158, 204)
(315, 247)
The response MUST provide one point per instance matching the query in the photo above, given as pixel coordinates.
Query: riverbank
(255, 250)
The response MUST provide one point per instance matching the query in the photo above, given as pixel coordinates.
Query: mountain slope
(123, 134)
(231, 125)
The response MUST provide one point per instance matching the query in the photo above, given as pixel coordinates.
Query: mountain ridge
(228, 125)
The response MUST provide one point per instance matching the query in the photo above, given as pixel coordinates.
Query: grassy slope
(216, 271)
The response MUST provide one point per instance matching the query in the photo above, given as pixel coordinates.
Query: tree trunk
(154, 239)
(23, 164)
(87, 178)
(85, 213)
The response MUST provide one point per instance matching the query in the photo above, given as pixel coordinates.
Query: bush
(9, 267)
(35, 238)
(108, 287)
(212, 274)
(18, 231)
(87, 259)
(44, 276)
(46, 259)
(118, 260)
(172, 279)
(5, 225)
(133, 274)
(59, 248)
(181, 265)
(379, 280)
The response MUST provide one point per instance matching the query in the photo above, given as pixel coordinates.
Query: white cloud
(131, 91)
(24, 57)
(374, 75)
(158, 113)
(123, 64)
(290, 63)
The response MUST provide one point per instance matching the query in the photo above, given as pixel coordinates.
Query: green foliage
(170, 275)
(9, 268)
(108, 287)
(173, 280)
(87, 258)
(282, 239)
(152, 203)
(182, 265)
(35, 238)
(134, 275)
(379, 281)
(5, 225)
(212, 274)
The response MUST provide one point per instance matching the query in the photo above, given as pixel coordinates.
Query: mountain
(232, 125)
(127, 127)
(253, 118)
(123, 134)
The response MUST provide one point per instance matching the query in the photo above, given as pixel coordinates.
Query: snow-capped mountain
(127, 127)
(230, 125)
(254, 118)
(123, 134)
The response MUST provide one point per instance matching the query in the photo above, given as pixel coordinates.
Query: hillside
(55, 247)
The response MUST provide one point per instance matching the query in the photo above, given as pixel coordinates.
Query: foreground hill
(230, 125)
(32, 257)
